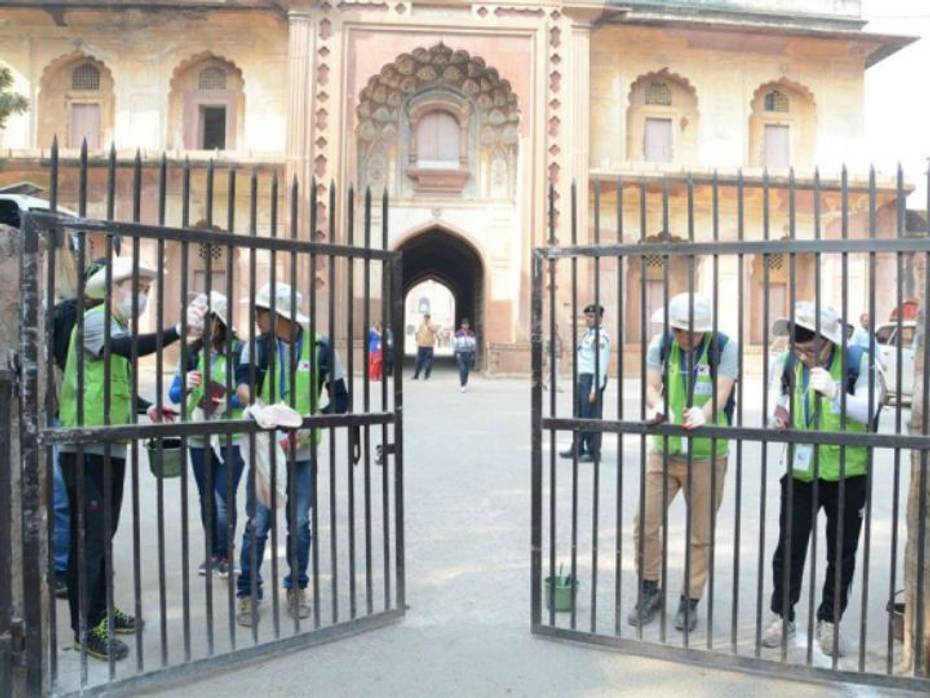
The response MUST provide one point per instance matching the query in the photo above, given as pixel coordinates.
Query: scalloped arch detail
(662, 74)
(784, 82)
(199, 57)
(75, 56)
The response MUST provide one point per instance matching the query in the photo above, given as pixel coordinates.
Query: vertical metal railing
(146, 571)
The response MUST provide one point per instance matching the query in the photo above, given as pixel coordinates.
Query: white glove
(192, 380)
(822, 382)
(694, 418)
(195, 314)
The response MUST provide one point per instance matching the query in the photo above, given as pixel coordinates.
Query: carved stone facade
(469, 114)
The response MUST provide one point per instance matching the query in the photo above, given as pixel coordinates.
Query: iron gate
(356, 556)
(583, 559)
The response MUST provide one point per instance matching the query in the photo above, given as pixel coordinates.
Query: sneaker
(569, 453)
(647, 608)
(771, 636)
(825, 638)
(586, 458)
(61, 585)
(221, 567)
(125, 624)
(97, 644)
(244, 612)
(202, 569)
(692, 605)
(297, 606)
(463, 389)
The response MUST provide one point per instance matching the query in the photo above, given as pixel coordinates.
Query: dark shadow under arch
(454, 262)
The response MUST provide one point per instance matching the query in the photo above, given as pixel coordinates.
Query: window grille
(658, 93)
(210, 251)
(775, 262)
(776, 101)
(212, 78)
(85, 77)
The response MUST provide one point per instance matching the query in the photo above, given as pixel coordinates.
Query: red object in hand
(782, 418)
(165, 414)
(290, 439)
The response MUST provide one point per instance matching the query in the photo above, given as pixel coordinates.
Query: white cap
(805, 315)
(678, 312)
(219, 305)
(282, 293)
(96, 287)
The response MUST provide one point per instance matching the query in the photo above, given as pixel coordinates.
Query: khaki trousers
(698, 503)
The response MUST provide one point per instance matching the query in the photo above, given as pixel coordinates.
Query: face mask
(124, 307)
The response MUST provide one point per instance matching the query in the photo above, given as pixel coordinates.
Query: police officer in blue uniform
(593, 355)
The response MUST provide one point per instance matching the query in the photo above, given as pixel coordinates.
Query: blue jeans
(62, 540)
(465, 362)
(224, 510)
(424, 361)
(259, 522)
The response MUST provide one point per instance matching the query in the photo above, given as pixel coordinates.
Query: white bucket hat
(219, 305)
(678, 313)
(282, 294)
(96, 287)
(805, 315)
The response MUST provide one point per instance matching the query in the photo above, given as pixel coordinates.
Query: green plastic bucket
(560, 592)
(172, 457)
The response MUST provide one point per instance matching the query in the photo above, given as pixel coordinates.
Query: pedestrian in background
(465, 345)
(426, 341)
(375, 352)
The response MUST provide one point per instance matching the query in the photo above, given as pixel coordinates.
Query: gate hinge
(18, 641)
(382, 451)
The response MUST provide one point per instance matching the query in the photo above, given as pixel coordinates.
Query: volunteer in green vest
(694, 359)
(284, 335)
(207, 399)
(806, 394)
(123, 403)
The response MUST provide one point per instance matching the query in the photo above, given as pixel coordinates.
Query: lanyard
(693, 370)
(284, 366)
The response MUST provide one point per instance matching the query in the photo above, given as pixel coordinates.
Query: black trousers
(95, 578)
(803, 507)
(588, 441)
(424, 361)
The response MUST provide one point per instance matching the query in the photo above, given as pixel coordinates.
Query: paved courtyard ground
(466, 632)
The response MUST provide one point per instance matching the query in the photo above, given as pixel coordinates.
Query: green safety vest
(677, 402)
(305, 398)
(121, 400)
(218, 371)
(828, 455)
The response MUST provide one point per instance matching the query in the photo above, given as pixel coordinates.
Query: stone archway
(440, 254)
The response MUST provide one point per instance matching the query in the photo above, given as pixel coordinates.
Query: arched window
(438, 144)
(75, 103)
(776, 101)
(212, 78)
(206, 105)
(85, 77)
(658, 93)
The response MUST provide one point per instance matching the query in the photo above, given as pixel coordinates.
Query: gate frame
(35, 439)
(540, 424)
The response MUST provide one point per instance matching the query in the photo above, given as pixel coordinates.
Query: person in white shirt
(593, 356)
(465, 345)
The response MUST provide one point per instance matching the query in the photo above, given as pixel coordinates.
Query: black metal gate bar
(788, 252)
(6, 529)
(39, 439)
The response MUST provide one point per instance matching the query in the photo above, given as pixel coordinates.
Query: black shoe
(648, 607)
(415, 378)
(569, 453)
(61, 585)
(97, 644)
(125, 624)
(692, 605)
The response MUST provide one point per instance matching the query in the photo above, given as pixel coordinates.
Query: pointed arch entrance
(449, 258)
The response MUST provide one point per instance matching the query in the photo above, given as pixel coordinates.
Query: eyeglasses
(811, 350)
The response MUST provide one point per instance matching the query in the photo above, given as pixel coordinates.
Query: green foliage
(10, 102)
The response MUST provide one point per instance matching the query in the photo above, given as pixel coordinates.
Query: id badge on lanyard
(804, 453)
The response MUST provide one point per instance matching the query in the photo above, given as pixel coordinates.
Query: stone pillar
(910, 662)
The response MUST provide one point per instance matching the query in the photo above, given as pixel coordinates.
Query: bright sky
(897, 98)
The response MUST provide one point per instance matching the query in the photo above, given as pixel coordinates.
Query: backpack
(64, 318)
(714, 352)
(853, 360)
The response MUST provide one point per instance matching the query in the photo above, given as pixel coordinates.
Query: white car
(887, 340)
(14, 203)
